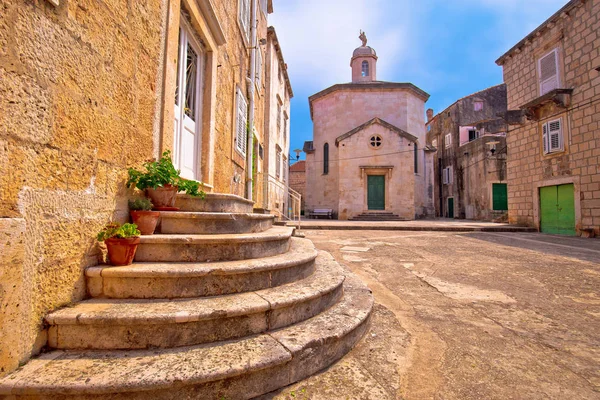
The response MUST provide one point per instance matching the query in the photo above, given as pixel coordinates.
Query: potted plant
(161, 181)
(121, 242)
(142, 216)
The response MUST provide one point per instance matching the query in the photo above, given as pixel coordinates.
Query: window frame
(448, 140)
(555, 77)
(547, 137)
(244, 20)
(365, 72)
(241, 121)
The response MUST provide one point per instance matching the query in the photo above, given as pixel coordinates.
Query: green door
(557, 210)
(499, 197)
(376, 192)
(450, 207)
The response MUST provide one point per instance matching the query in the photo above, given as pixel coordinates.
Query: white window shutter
(555, 135)
(259, 69)
(545, 137)
(445, 176)
(241, 122)
(548, 71)
(450, 175)
(245, 16)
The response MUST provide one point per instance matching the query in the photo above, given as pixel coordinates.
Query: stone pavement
(440, 224)
(467, 316)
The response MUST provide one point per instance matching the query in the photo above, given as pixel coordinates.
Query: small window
(434, 143)
(261, 151)
(552, 136)
(473, 134)
(478, 105)
(416, 156)
(244, 17)
(448, 140)
(241, 132)
(365, 68)
(325, 158)
(375, 141)
(548, 72)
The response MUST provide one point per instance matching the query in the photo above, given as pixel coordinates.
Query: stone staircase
(220, 304)
(377, 216)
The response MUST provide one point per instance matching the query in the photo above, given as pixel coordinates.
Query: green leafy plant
(140, 204)
(118, 231)
(162, 173)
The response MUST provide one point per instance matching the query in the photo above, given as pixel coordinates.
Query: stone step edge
(272, 234)
(301, 251)
(279, 364)
(79, 316)
(214, 215)
(218, 196)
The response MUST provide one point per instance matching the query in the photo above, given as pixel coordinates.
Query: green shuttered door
(557, 209)
(500, 197)
(376, 192)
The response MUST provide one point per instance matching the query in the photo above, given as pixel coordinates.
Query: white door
(188, 102)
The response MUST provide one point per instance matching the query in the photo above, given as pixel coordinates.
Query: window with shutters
(447, 176)
(448, 140)
(244, 17)
(241, 121)
(285, 129)
(478, 105)
(552, 136)
(548, 72)
(365, 68)
(278, 163)
(259, 63)
(279, 116)
(285, 168)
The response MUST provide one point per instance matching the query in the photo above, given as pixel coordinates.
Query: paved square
(469, 316)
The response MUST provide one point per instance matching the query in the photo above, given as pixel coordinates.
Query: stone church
(368, 158)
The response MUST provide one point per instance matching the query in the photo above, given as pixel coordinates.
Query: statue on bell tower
(363, 38)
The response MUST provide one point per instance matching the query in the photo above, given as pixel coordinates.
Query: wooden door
(557, 210)
(376, 192)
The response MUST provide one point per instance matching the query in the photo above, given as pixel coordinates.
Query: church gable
(377, 121)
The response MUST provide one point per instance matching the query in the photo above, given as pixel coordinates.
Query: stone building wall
(86, 91)
(342, 110)
(298, 180)
(576, 32)
(474, 167)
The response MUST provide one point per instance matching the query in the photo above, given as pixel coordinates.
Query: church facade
(368, 155)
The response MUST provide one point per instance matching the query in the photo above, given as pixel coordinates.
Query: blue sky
(445, 47)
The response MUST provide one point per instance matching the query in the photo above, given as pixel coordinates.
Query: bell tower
(364, 62)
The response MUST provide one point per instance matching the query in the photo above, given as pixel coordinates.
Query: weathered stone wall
(78, 88)
(577, 36)
(471, 161)
(338, 113)
(298, 180)
(359, 159)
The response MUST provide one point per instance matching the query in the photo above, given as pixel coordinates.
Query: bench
(321, 212)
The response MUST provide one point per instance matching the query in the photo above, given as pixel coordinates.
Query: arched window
(365, 68)
(325, 158)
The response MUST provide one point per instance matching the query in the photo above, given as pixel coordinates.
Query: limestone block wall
(342, 111)
(358, 160)
(578, 40)
(78, 89)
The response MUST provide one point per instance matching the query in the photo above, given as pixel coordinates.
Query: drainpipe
(251, 79)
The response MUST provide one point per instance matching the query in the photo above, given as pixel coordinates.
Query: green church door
(557, 210)
(376, 192)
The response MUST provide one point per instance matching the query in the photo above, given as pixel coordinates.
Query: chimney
(429, 114)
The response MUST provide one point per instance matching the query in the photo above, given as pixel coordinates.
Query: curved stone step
(214, 202)
(180, 280)
(189, 222)
(236, 370)
(226, 247)
(135, 324)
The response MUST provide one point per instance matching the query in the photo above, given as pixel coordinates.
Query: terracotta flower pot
(121, 251)
(163, 196)
(145, 220)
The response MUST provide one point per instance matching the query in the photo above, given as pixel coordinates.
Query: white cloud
(318, 37)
